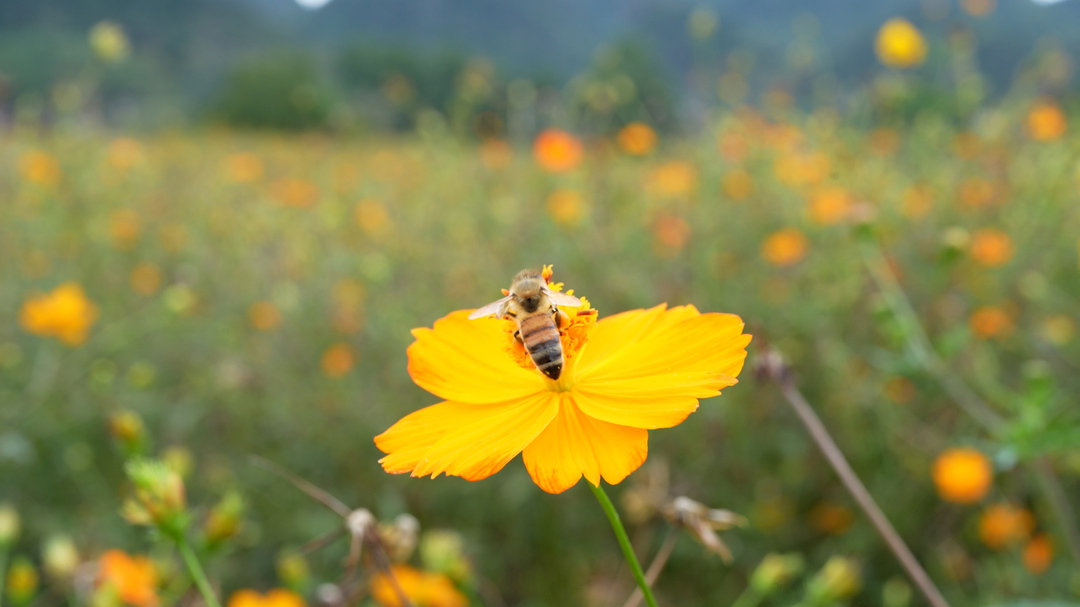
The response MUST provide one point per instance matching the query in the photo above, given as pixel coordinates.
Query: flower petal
(463, 439)
(668, 361)
(465, 361)
(574, 444)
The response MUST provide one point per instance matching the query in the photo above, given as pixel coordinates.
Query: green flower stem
(3, 571)
(624, 543)
(196, 571)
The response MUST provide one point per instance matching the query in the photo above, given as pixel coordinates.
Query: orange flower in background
(737, 184)
(785, 247)
(900, 44)
(297, 193)
(265, 316)
(338, 360)
(622, 376)
(796, 170)
(372, 217)
(124, 228)
(134, 579)
(278, 597)
(917, 202)
(991, 247)
(145, 279)
(557, 151)
(1039, 554)
(831, 518)
(830, 206)
(976, 192)
(566, 207)
(423, 589)
(124, 153)
(243, 167)
(673, 179)
(962, 475)
(1046, 121)
(637, 138)
(1003, 525)
(65, 313)
(884, 141)
(990, 321)
(671, 234)
(39, 168)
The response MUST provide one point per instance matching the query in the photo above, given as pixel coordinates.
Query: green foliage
(281, 90)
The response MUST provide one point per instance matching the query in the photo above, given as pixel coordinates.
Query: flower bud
(159, 496)
(22, 581)
(127, 428)
(60, 557)
(400, 536)
(838, 579)
(776, 571)
(444, 552)
(9, 524)
(293, 569)
(224, 519)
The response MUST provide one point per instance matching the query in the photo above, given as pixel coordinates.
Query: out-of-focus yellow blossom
(1046, 121)
(422, 588)
(976, 193)
(900, 44)
(916, 202)
(557, 151)
(39, 168)
(65, 313)
(1058, 329)
(1039, 554)
(109, 42)
(991, 247)
(737, 184)
(243, 167)
(962, 475)
(9, 524)
(831, 205)
(22, 581)
(900, 390)
(785, 247)
(264, 316)
(338, 360)
(372, 217)
(60, 558)
(125, 226)
(637, 138)
(145, 279)
(801, 169)
(278, 597)
(566, 207)
(672, 179)
(133, 578)
(293, 192)
(990, 321)
(124, 153)
(1003, 525)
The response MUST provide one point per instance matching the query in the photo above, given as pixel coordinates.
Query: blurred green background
(252, 203)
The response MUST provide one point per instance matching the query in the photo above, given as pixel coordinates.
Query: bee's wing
(561, 299)
(492, 309)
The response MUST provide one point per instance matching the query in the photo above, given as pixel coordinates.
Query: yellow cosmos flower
(65, 313)
(622, 376)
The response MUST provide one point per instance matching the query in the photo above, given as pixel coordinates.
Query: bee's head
(530, 302)
(527, 290)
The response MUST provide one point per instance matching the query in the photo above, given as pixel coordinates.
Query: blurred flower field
(201, 298)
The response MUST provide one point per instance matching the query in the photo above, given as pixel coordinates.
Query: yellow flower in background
(785, 247)
(125, 226)
(264, 316)
(831, 205)
(900, 44)
(338, 360)
(424, 589)
(557, 151)
(65, 313)
(1039, 554)
(109, 42)
(990, 321)
(145, 279)
(622, 376)
(916, 202)
(1002, 525)
(296, 193)
(243, 167)
(278, 597)
(991, 247)
(1046, 121)
(372, 217)
(124, 153)
(962, 475)
(566, 207)
(133, 578)
(39, 168)
(673, 179)
(737, 184)
(637, 139)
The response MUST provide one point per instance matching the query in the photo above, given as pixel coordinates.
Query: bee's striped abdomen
(541, 339)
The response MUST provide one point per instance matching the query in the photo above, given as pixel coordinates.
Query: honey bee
(534, 308)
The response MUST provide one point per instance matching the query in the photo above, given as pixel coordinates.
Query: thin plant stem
(960, 392)
(196, 571)
(656, 566)
(3, 571)
(857, 490)
(624, 543)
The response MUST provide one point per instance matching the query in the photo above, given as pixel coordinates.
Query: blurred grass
(351, 243)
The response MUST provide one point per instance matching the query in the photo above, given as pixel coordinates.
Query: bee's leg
(517, 336)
